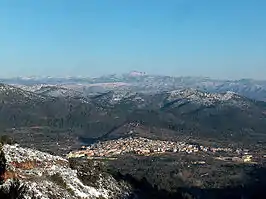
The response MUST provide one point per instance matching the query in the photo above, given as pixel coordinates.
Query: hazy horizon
(216, 39)
(119, 74)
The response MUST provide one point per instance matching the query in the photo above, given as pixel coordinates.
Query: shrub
(2, 165)
(57, 178)
(5, 139)
(15, 191)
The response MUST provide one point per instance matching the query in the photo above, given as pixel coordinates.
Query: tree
(2, 165)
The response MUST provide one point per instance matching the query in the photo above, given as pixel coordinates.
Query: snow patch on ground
(35, 169)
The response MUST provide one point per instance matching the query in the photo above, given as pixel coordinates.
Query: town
(144, 146)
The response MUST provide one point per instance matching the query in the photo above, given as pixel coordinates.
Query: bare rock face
(48, 176)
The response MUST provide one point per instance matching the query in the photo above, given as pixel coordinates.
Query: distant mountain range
(141, 82)
(119, 113)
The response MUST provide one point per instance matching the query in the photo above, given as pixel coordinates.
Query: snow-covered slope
(206, 98)
(139, 81)
(48, 176)
(15, 94)
(52, 90)
(183, 95)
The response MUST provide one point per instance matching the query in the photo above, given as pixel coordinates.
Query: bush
(57, 178)
(5, 139)
(15, 191)
(2, 165)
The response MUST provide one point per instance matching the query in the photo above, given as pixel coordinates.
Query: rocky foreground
(48, 176)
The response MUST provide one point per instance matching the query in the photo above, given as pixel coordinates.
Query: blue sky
(220, 39)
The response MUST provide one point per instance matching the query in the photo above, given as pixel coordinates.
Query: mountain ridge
(250, 88)
(186, 112)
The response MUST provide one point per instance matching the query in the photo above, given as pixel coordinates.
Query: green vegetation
(15, 191)
(57, 178)
(5, 139)
(88, 171)
(174, 176)
(2, 165)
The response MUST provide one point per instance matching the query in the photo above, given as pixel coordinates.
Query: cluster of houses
(141, 146)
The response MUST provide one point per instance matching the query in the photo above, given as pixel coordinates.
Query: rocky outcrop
(48, 176)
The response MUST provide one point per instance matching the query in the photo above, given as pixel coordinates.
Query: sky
(220, 39)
